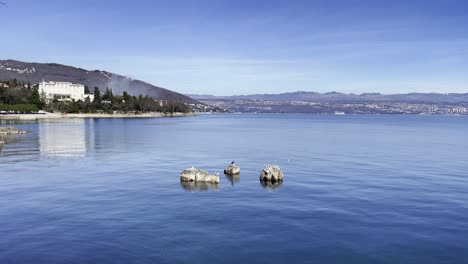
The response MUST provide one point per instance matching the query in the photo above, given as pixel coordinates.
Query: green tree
(108, 95)
(36, 99)
(97, 103)
(73, 107)
(127, 102)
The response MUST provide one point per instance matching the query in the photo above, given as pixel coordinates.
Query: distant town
(338, 108)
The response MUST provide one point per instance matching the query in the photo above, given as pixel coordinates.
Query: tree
(73, 107)
(86, 105)
(108, 95)
(97, 103)
(97, 94)
(126, 96)
(127, 102)
(36, 99)
(86, 90)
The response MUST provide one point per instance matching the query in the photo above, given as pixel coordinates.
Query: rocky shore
(7, 131)
(11, 131)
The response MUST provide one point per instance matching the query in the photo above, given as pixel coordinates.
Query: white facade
(63, 91)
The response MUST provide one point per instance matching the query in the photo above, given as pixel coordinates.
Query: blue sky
(241, 47)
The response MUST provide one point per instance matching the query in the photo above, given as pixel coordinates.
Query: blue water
(357, 189)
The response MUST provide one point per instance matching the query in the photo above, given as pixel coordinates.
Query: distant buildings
(21, 71)
(63, 91)
(337, 108)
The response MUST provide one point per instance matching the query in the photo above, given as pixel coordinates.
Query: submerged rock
(232, 169)
(196, 175)
(271, 173)
(11, 130)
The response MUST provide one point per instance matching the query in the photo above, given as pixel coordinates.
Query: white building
(63, 91)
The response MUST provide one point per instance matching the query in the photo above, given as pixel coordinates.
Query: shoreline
(90, 115)
(178, 114)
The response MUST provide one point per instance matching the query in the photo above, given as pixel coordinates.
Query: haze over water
(357, 189)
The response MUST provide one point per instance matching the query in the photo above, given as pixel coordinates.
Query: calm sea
(357, 189)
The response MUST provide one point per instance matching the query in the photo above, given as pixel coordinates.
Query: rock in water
(11, 130)
(232, 169)
(196, 175)
(271, 173)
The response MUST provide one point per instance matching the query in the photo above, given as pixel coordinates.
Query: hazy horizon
(232, 95)
(238, 47)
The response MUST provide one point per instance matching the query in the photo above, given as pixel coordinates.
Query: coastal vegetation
(22, 97)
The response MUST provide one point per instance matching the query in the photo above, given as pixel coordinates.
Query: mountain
(343, 98)
(36, 72)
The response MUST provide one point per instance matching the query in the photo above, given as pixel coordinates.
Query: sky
(232, 47)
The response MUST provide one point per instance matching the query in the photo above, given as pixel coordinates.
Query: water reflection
(12, 138)
(66, 138)
(232, 178)
(12, 122)
(272, 186)
(199, 186)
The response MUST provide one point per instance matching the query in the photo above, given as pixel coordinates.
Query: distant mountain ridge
(342, 97)
(36, 72)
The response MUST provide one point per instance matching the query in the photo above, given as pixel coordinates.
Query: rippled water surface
(357, 189)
